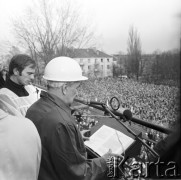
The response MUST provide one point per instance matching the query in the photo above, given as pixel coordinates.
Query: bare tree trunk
(134, 52)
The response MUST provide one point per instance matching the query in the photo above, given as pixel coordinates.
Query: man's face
(27, 75)
(72, 92)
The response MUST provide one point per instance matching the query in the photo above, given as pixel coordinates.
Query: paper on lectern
(106, 138)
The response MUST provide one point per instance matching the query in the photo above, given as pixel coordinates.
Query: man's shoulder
(41, 109)
(8, 96)
(41, 105)
(19, 124)
(48, 112)
(7, 92)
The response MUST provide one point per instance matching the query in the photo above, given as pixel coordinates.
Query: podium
(132, 151)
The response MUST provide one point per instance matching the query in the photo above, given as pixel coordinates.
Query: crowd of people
(157, 104)
(154, 103)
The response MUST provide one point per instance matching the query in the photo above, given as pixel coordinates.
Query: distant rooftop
(88, 53)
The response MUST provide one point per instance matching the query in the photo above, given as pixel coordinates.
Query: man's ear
(15, 71)
(64, 89)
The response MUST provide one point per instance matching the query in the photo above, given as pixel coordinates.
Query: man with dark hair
(21, 73)
(18, 91)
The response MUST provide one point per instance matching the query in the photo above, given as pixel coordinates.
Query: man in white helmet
(64, 153)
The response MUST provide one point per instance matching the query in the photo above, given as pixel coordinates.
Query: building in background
(94, 63)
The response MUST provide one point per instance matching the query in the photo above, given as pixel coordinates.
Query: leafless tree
(134, 53)
(50, 29)
(11, 50)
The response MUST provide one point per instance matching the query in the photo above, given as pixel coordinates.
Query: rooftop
(88, 53)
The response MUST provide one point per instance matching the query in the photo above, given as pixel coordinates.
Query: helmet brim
(82, 78)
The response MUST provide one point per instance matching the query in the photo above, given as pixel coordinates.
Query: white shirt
(21, 104)
(20, 148)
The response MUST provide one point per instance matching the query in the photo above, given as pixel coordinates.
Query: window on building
(108, 67)
(96, 61)
(107, 60)
(82, 67)
(89, 67)
(101, 60)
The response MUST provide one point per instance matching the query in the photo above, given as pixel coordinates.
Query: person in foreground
(64, 152)
(20, 146)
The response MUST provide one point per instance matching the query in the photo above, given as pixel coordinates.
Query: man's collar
(15, 84)
(56, 100)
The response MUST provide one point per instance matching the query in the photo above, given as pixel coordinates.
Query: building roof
(88, 53)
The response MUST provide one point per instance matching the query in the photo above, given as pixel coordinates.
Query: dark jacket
(169, 150)
(169, 164)
(63, 150)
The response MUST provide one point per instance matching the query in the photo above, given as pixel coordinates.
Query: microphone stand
(129, 130)
(138, 121)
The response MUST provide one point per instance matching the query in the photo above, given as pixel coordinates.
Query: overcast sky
(158, 22)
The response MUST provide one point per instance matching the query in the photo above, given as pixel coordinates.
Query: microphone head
(128, 114)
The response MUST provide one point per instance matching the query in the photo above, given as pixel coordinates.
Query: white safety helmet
(63, 69)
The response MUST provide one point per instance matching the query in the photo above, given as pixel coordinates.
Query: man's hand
(109, 154)
(83, 133)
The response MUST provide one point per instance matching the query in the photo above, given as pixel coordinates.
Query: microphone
(121, 112)
(95, 103)
(125, 112)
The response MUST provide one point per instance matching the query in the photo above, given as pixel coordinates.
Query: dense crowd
(157, 104)
(149, 102)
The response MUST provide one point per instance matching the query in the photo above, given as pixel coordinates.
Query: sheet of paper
(106, 138)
